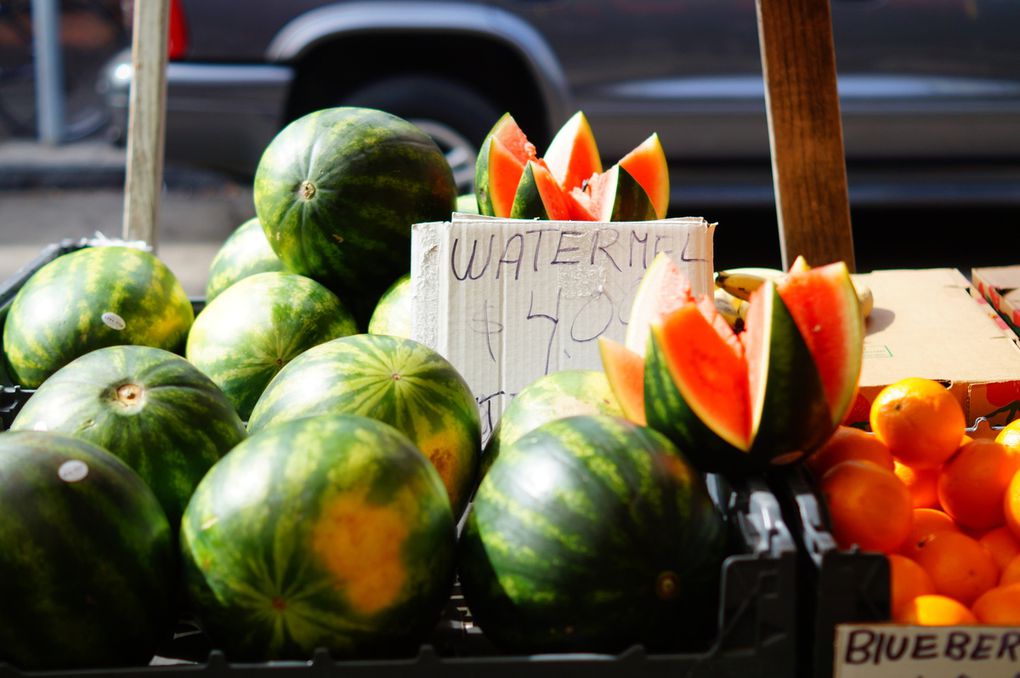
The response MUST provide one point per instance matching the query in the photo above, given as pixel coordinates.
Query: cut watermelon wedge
(573, 156)
(625, 372)
(663, 289)
(647, 165)
(539, 196)
(504, 153)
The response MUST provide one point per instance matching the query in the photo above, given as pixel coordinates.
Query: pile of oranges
(943, 507)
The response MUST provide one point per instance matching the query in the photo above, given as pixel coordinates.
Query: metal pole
(49, 71)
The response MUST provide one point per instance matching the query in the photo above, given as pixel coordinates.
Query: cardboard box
(925, 324)
(1000, 287)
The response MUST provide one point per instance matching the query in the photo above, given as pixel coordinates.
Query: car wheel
(455, 116)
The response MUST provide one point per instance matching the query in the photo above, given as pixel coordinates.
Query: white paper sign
(894, 651)
(509, 300)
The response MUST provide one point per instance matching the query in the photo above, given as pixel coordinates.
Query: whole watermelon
(591, 533)
(392, 314)
(398, 381)
(559, 394)
(258, 325)
(337, 191)
(330, 532)
(88, 299)
(87, 564)
(245, 252)
(152, 408)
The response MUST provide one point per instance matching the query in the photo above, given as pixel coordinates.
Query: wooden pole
(146, 120)
(805, 131)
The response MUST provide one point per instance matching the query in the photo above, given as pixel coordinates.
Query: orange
(1001, 543)
(849, 443)
(926, 523)
(1010, 573)
(934, 610)
(920, 422)
(907, 580)
(959, 566)
(972, 483)
(1011, 505)
(868, 506)
(999, 606)
(1010, 434)
(922, 483)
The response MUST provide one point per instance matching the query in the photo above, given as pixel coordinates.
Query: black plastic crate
(756, 632)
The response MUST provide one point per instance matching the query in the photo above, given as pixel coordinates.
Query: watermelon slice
(738, 402)
(572, 155)
(504, 153)
(625, 372)
(539, 196)
(647, 164)
(615, 195)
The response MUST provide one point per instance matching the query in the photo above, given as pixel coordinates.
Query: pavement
(50, 193)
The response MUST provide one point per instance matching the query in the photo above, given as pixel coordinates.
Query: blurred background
(930, 97)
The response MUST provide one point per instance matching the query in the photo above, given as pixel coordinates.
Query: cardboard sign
(894, 651)
(509, 300)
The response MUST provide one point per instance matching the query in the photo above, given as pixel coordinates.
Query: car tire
(455, 116)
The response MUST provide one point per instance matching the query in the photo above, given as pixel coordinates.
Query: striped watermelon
(331, 531)
(395, 380)
(564, 393)
(591, 533)
(88, 299)
(337, 191)
(150, 407)
(392, 314)
(87, 564)
(258, 325)
(245, 252)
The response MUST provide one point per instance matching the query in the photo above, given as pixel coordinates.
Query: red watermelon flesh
(572, 155)
(824, 304)
(710, 372)
(647, 164)
(625, 372)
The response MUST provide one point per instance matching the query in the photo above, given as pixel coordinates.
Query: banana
(732, 309)
(864, 296)
(741, 282)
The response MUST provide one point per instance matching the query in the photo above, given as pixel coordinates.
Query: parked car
(930, 89)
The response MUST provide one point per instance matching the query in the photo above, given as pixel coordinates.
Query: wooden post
(805, 131)
(146, 120)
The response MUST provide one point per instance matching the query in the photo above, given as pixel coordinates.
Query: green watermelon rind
(88, 568)
(392, 314)
(399, 381)
(257, 325)
(245, 252)
(92, 298)
(337, 191)
(249, 536)
(571, 531)
(182, 425)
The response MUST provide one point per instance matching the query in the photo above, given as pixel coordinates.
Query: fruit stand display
(281, 492)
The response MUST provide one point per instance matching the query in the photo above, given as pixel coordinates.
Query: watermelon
(590, 533)
(563, 393)
(331, 531)
(500, 163)
(87, 564)
(258, 325)
(573, 155)
(88, 299)
(337, 191)
(467, 204)
(151, 408)
(538, 196)
(245, 252)
(395, 380)
(392, 314)
(614, 195)
(625, 373)
(648, 167)
(770, 395)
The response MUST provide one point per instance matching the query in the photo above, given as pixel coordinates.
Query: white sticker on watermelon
(113, 321)
(73, 470)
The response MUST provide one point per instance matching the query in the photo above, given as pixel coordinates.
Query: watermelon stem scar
(129, 394)
(307, 190)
